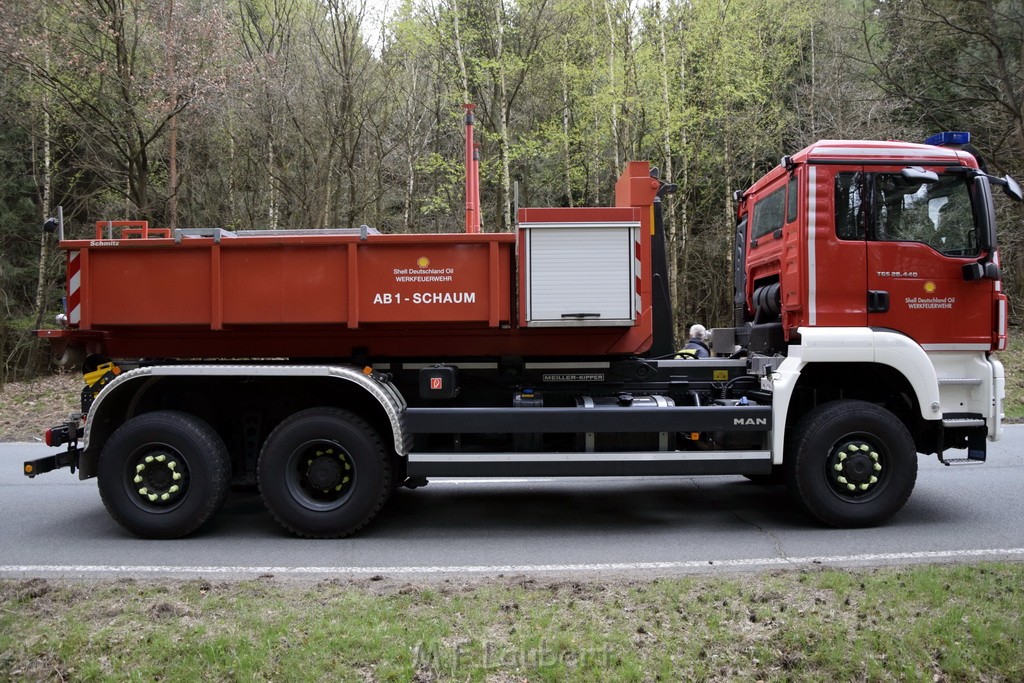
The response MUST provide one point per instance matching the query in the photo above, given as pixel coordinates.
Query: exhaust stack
(472, 175)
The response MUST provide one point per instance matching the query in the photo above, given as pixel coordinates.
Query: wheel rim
(858, 467)
(156, 477)
(320, 475)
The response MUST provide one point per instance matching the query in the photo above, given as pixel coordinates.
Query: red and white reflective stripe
(995, 259)
(1003, 334)
(1002, 331)
(74, 288)
(812, 256)
(637, 273)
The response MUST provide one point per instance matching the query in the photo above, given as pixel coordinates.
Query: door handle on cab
(878, 301)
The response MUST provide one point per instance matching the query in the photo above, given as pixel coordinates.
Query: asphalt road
(56, 525)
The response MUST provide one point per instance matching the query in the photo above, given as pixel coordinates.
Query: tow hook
(67, 433)
(68, 458)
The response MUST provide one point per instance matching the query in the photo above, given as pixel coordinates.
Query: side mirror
(918, 173)
(981, 270)
(667, 188)
(1011, 189)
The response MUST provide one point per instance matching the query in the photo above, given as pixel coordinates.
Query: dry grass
(30, 406)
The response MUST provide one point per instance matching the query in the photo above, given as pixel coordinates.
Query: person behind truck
(696, 346)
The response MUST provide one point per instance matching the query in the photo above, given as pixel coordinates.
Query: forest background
(250, 114)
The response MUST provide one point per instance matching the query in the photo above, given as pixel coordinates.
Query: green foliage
(953, 622)
(20, 232)
(19, 224)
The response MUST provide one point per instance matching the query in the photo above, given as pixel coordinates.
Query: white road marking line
(490, 480)
(765, 562)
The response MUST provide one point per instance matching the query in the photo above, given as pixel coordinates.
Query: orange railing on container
(131, 229)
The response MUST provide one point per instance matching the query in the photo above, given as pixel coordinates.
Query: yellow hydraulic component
(95, 381)
(91, 378)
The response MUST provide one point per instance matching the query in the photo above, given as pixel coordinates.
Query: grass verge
(1013, 363)
(919, 623)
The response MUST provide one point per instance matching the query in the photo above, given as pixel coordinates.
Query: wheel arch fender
(110, 410)
(839, 345)
(117, 402)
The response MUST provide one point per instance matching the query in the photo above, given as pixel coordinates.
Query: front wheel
(851, 463)
(163, 474)
(323, 473)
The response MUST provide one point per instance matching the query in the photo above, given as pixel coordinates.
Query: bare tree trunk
(231, 165)
(172, 170)
(459, 55)
(565, 123)
(410, 187)
(814, 96)
(592, 194)
(272, 189)
(44, 242)
(410, 159)
(680, 242)
(505, 201)
(327, 213)
(353, 187)
(666, 136)
(44, 246)
(730, 210)
(612, 84)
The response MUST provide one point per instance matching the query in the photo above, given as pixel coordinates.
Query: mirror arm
(982, 269)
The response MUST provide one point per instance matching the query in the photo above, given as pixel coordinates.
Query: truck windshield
(939, 214)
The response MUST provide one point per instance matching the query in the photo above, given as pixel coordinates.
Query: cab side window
(850, 206)
(887, 207)
(769, 213)
(937, 214)
(791, 197)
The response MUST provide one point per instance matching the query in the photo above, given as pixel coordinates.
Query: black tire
(851, 463)
(163, 474)
(323, 473)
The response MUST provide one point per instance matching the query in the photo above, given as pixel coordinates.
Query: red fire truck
(332, 366)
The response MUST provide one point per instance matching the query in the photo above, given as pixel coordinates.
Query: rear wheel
(851, 463)
(163, 474)
(323, 473)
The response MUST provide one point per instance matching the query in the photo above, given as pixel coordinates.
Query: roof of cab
(877, 150)
(870, 152)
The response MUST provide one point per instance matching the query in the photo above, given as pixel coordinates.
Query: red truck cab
(888, 235)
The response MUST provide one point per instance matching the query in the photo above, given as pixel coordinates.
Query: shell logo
(929, 287)
(423, 262)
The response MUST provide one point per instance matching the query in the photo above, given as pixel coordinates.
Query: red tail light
(56, 436)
